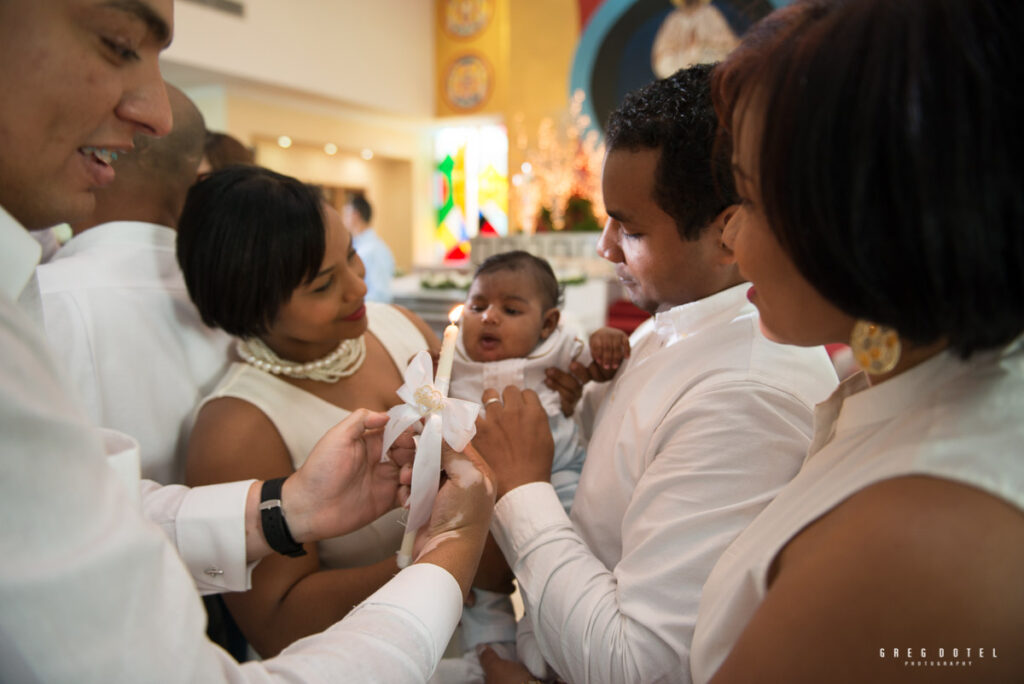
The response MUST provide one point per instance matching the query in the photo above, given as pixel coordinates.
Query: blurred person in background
(220, 150)
(116, 308)
(376, 255)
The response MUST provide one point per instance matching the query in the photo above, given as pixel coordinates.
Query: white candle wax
(444, 363)
(405, 553)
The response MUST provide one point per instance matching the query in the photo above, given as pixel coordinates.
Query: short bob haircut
(890, 158)
(518, 260)
(675, 115)
(247, 238)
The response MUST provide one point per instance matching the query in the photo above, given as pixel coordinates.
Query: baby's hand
(608, 347)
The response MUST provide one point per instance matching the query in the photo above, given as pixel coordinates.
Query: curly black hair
(693, 181)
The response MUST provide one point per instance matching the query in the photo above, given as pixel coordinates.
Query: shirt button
(213, 572)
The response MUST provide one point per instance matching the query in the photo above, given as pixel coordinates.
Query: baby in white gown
(510, 334)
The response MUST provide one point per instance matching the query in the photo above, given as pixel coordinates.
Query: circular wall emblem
(468, 82)
(466, 18)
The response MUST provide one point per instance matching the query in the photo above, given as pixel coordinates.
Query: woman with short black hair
(267, 260)
(877, 149)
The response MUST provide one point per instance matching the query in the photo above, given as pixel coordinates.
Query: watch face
(468, 82)
(466, 18)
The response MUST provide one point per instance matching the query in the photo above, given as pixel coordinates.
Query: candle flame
(456, 313)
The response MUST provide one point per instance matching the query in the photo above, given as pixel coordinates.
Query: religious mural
(625, 44)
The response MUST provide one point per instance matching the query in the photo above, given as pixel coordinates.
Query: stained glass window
(471, 186)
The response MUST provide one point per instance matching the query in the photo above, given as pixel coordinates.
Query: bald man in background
(115, 306)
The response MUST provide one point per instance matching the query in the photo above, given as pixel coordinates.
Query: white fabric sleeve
(207, 526)
(93, 592)
(717, 459)
(528, 650)
(396, 635)
(584, 356)
(490, 619)
(67, 331)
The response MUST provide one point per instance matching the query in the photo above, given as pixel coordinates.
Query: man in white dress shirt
(700, 428)
(91, 588)
(374, 252)
(116, 308)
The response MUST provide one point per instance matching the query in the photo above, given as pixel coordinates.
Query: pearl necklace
(340, 363)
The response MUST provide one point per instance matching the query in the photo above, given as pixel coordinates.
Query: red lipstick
(357, 314)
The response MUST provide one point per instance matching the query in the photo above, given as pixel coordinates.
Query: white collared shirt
(702, 425)
(945, 418)
(91, 590)
(117, 312)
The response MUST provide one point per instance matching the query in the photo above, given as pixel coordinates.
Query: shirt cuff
(523, 514)
(430, 594)
(210, 529)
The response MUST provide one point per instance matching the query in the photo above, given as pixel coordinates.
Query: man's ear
(717, 228)
(549, 322)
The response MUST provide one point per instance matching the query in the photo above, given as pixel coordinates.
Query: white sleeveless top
(302, 419)
(956, 420)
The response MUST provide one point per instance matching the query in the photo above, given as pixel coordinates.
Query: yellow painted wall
(490, 44)
(544, 36)
(531, 45)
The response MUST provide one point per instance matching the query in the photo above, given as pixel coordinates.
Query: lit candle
(444, 364)
(434, 427)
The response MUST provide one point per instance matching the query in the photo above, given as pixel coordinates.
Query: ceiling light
(366, 154)
(331, 149)
(284, 141)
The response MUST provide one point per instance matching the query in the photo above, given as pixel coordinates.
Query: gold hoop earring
(876, 348)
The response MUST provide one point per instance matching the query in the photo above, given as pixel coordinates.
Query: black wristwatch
(275, 528)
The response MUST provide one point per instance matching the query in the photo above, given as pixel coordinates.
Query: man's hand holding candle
(459, 521)
(515, 438)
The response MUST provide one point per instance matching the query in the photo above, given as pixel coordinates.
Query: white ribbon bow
(452, 419)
